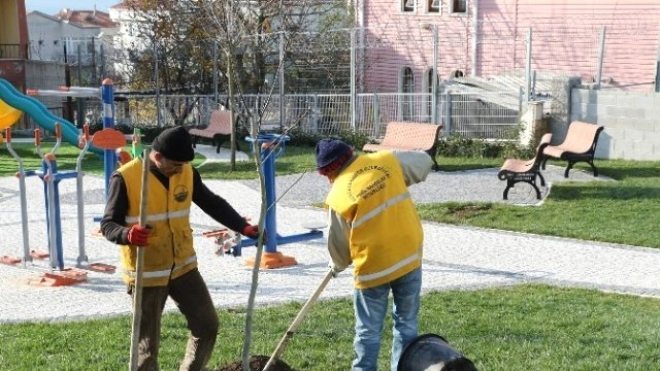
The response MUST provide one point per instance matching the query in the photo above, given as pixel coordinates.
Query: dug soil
(257, 363)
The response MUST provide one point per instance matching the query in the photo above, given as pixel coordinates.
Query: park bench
(516, 170)
(409, 136)
(579, 145)
(218, 130)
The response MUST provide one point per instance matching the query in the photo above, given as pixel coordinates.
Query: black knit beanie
(175, 144)
(331, 154)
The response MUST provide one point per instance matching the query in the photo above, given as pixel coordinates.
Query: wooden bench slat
(408, 136)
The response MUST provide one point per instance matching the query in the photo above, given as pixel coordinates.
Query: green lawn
(528, 327)
(626, 211)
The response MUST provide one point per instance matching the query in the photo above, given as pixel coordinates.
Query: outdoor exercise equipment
(272, 146)
(51, 177)
(107, 101)
(7, 115)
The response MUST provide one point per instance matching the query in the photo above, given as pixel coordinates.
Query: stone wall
(631, 121)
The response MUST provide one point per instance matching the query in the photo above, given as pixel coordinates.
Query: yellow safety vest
(169, 253)
(386, 233)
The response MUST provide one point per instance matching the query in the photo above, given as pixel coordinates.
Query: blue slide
(33, 107)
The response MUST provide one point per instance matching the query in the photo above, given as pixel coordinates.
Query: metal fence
(470, 115)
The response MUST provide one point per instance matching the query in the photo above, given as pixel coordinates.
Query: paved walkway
(454, 257)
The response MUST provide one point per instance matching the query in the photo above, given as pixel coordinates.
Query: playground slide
(11, 96)
(8, 115)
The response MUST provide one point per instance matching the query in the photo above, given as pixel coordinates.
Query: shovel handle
(296, 322)
(139, 267)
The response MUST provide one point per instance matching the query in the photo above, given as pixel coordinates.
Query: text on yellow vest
(386, 234)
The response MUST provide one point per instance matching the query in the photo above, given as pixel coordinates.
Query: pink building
(489, 37)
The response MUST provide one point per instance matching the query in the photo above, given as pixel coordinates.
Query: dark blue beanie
(175, 144)
(329, 150)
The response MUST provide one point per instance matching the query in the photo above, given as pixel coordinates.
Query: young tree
(248, 33)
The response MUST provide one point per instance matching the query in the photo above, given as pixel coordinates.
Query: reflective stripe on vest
(163, 273)
(160, 217)
(379, 209)
(400, 264)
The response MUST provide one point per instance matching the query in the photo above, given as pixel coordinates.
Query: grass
(529, 327)
(626, 211)
(294, 160)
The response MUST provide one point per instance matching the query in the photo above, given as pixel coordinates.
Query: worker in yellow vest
(374, 226)
(170, 262)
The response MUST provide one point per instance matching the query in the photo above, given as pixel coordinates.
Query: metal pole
(157, 82)
(528, 68)
(80, 117)
(23, 196)
(475, 37)
(448, 123)
(215, 73)
(82, 256)
(109, 156)
(268, 170)
(102, 58)
(353, 82)
(601, 54)
(376, 116)
(434, 84)
(94, 81)
(281, 80)
(657, 67)
(67, 83)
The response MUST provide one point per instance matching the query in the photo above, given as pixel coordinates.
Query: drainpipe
(475, 36)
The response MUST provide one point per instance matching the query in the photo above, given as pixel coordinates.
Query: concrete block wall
(631, 121)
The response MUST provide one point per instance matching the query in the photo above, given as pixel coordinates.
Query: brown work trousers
(191, 296)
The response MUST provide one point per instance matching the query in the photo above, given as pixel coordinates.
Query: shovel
(296, 322)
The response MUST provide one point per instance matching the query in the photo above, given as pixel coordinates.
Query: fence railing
(468, 114)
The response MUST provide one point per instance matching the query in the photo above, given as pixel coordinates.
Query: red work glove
(138, 235)
(251, 231)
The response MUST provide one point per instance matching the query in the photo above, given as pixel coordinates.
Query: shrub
(459, 146)
(300, 138)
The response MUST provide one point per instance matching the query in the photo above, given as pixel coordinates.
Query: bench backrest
(545, 141)
(581, 137)
(220, 122)
(411, 134)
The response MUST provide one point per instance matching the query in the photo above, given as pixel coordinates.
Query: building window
(408, 6)
(458, 6)
(433, 6)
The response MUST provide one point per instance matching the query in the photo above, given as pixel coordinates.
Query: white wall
(631, 121)
(47, 34)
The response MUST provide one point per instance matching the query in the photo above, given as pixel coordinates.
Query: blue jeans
(370, 308)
